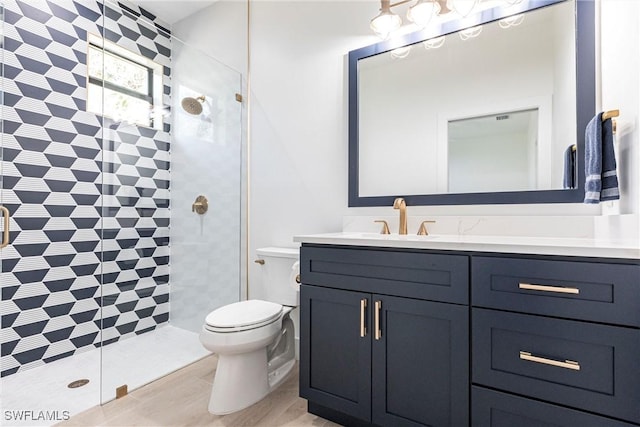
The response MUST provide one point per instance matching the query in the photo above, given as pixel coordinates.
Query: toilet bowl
(254, 339)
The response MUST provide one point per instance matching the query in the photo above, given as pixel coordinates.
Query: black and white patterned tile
(89, 260)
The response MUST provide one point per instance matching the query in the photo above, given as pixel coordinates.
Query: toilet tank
(279, 273)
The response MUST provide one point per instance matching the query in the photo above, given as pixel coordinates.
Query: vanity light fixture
(386, 22)
(421, 13)
(511, 21)
(462, 7)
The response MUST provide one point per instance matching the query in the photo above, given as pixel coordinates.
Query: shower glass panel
(112, 264)
(4, 212)
(171, 193)
(51, 150)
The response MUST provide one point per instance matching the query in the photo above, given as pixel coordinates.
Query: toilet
(254, 339)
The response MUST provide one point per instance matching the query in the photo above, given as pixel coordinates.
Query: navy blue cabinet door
(335, 360)
(420, 363)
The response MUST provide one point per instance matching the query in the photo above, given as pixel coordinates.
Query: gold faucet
(422, 231)
(400, 204)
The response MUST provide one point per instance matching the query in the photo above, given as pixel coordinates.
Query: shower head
(193, 105)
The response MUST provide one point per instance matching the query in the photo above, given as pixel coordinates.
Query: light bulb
(385, 23)
(462, 7)
(422, 12)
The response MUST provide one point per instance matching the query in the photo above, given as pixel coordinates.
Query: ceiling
(172, 11)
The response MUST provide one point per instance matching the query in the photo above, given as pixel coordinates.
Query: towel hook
(610, 114)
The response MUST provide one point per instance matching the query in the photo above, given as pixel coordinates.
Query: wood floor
(181, 399)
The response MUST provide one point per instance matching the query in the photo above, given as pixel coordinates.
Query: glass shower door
(171, 191)
(4, 241)
(48, 270)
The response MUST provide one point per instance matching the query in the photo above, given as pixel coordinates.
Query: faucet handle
(200, 206)
(422, 231)
(385, 226)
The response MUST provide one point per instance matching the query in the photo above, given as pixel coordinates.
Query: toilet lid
(244, 313)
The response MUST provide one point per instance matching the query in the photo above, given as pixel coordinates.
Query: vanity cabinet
(370, 357)
(530, 340)
(555, 332)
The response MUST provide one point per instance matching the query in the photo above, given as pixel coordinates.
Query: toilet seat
(242, 316)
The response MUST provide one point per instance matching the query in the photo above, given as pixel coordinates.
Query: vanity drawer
(421, 275)
(593, 291)
(492, 408)
(578, 364)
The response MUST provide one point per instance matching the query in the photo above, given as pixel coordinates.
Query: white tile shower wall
(220, 31)
(206, 160)
(52, 304)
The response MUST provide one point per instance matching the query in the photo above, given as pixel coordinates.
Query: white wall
(299, 116)
(299, 113)
(620, 89)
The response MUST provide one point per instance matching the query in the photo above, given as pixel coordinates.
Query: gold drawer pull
(547, 288)
(567, 364)
(363, 313)
(5, 237)
(378, 307)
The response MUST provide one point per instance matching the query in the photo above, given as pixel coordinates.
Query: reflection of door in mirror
(493, 153)
(404, 106)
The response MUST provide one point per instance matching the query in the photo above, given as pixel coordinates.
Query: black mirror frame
(585, 110)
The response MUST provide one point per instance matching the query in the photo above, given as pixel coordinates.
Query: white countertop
(505, 244)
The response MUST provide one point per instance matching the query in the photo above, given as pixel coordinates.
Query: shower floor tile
(40, 396)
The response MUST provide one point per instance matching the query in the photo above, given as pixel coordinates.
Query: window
(123, 85)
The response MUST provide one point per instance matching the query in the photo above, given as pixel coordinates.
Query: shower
(193, 105)
(108, 274)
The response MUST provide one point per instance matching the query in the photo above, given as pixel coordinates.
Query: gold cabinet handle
(5, 234)
(259, 261)
(548, 288)
(378, 307)
(363, 313)
(567, 364)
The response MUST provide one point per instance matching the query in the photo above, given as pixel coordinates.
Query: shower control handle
(200, 206)
(5, 233)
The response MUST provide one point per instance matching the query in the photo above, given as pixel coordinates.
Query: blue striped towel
(600, 162)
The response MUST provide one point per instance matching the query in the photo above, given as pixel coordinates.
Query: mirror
(474, 145)
(485, 120)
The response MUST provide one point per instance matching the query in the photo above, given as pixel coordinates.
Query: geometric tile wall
(89, 198)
